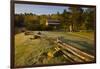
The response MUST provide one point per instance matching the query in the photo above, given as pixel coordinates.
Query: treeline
(75, 19)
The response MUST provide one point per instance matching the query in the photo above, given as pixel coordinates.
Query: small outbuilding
(53, 23)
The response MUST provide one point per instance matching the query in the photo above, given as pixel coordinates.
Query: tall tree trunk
(70, 28)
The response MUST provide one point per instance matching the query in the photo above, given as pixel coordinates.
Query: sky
(38, 9)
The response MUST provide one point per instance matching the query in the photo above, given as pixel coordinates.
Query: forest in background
(75, 20)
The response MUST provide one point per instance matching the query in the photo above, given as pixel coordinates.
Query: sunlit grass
(29, 52)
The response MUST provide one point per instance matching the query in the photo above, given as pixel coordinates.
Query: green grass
(29, 52)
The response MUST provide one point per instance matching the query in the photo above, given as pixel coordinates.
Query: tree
(75, 18)
(90, 18)
(42, 20)
(19, 20)
(64, 18)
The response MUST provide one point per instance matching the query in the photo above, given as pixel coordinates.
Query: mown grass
(31, 52)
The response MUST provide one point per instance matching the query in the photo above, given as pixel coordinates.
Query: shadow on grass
(80, 44)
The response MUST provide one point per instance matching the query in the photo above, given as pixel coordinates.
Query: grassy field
(34, 51)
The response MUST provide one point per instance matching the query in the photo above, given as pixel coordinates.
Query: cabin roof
(53, 21)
